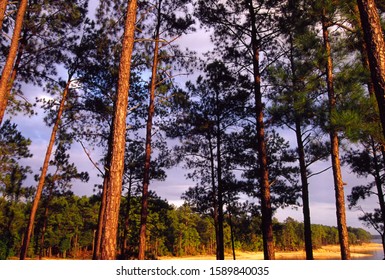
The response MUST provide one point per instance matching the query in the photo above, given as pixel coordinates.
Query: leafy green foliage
(172, 231)
(14, 147)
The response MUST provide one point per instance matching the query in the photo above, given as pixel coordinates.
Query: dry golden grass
(329, 252)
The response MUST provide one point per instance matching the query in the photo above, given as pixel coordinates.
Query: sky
(322, 200)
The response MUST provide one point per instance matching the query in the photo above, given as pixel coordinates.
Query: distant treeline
(66, 227)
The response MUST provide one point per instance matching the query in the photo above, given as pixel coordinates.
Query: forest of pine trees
(68, 231)
(113, 77)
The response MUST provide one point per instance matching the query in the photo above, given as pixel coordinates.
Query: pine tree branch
(90, 158)
(317, 173)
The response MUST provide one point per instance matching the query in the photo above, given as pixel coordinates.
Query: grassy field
(330, 252)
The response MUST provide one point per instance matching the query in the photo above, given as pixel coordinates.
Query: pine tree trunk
(43, 230)
(10, 214)
(375, 44)
(114, 180)
(40, 186)
(366, 64)
(214, 198)
(336, 165)
(102, 209)
(15, 71)
(232, 235)
(305, 193)
(302, 164)
(363, 48)
(372, 92)
(99, 231)
(13, 74)
(221, 243)
(126, 219)
(75, 246)
(7, 70)
(267, 224)
(147, 163)
(378, 180)
(3, 8)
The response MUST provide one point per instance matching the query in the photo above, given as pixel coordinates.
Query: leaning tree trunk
(116, 168)
(14, 73)
(40, 186)
(375, 46)
(7, 70)
(147, 162)
(3, 8)
(267, 224)
(336, 165)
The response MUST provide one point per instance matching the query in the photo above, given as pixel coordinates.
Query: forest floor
(329, 252)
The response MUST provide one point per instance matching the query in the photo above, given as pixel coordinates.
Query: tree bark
(116, 168)
(378, 180)
(214, 196)
(99, 231)
(221, 243)
(3, 8)
(267, 224)
(7, 70)
(305, 193)
(375, 43)
(10, 214)
(102, 209)
(302, 163)
(43, 230)
(14, 73)
(372, 92)
(336, 165)
(147, 163)
(40, 186)
(126, 218)
(232, 235)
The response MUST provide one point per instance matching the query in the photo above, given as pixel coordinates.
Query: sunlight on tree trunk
(99, 231)
(7, 70)
(147, 162)
(40, 186)
(375, 44)
(267, 225)
(116, 168)
(3, 8)
(336, 165)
